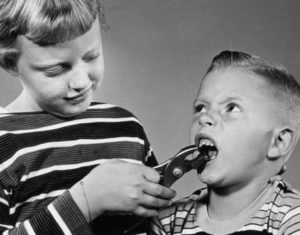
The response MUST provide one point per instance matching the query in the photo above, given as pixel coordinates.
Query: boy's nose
(207, 120)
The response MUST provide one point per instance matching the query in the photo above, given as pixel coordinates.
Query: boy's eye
(200, 108)
(233, 108)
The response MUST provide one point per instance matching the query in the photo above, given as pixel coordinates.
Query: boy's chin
(208, 179)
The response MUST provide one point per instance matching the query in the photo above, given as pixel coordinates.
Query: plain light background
(157, 51)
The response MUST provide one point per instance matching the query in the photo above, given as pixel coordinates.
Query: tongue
(212, 154)
(209, 151)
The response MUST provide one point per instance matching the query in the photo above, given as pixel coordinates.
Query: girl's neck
(23, 103)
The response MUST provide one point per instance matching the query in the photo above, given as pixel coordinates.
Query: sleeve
(290, 224)
(150, 159)
(62, 216)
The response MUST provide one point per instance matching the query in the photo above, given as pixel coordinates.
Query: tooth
(212, 154)
(192, 156)
(206, 142)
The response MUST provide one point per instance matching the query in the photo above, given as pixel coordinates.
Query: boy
(57, 175)
(247, 112)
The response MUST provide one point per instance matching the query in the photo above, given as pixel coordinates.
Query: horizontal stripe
(179, 215)
(254, 227)
(293, 212)
(276, 209)
(191, 230)
(10, 144)
(6, 226)
(71, 123)
(69, 167)
(60, 144)
(102, 106)
(39, 197)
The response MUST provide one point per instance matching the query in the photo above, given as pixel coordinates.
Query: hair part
(45, 22)
(282, 87)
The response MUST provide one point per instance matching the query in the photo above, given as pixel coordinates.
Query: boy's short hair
(280, 84)
(45, 22)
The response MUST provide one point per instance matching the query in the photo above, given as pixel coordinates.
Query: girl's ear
(282, 143)
(10, 66)
(8, 61)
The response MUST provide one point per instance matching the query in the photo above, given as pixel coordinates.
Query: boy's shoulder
(183, 207)
(287, 195)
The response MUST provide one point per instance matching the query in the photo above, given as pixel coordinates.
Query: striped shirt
(275, 212)
(43, 155)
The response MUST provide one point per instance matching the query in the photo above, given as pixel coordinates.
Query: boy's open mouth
(207, 148)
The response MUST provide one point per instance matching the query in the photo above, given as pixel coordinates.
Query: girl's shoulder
(109, 108)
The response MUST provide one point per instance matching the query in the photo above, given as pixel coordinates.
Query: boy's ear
(282, 143)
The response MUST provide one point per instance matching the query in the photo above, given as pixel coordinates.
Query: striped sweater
(43, 155)
(276, 212)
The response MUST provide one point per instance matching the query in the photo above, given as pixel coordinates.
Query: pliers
(186, 159)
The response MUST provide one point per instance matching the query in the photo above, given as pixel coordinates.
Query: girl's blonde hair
(45, 22)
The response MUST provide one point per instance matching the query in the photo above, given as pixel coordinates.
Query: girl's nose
(80, 79)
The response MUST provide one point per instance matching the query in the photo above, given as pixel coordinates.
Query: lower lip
(78, 99)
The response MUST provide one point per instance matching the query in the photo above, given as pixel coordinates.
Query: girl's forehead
(89, 41)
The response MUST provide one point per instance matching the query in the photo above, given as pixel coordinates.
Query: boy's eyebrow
(198, 100)
(229, 99)
(226, 100)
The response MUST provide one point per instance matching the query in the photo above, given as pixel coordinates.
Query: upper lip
(204, 136)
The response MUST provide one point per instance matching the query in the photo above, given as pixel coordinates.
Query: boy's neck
(227, 203)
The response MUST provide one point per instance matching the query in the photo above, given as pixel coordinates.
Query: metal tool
(186, 159)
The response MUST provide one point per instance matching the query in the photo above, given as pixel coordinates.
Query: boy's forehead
(232, 82)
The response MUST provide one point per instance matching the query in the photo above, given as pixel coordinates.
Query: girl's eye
(91, 56)
(200, 108)
(54, 71)
(233, 108)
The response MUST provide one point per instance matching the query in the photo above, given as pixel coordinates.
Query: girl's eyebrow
(58, 63)
(95, 50)
(45, 66)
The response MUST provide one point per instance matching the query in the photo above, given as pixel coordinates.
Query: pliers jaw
(186, 159)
